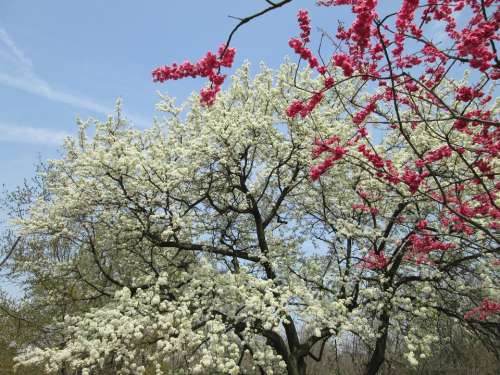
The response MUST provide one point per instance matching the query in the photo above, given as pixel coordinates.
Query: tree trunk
(378, 355)
(296, 366)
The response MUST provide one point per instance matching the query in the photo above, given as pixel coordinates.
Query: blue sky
(63, 59)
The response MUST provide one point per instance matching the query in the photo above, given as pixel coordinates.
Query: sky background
(60, 60)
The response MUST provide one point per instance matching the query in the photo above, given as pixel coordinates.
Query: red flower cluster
(336, 153)
(466, 94)
(376, 160)
(435, 155)
(478, 206)
(209, 66)
(343, 61)
(475, 43)
(404, 21)
(299, 107)
(487, 308)
(304, 52)
(298, 45)
(421, 245)
(361, 29)
(361, 116)
(364, 208)
(413, 179)
(304, 24)
(336, 2)
(323, 146)
(374, 261)
(422, 224)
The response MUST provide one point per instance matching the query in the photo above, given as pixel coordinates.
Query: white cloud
(12, 52)
(20, 74)
(27, 134)
(17, 71)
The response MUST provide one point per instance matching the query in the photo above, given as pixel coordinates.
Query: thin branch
(245, 20)
(11, 251)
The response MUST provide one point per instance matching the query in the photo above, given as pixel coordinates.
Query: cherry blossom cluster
(304, 24)
(336, 153)
(371, 156)
(435, 155)
(422, 244)
(320, 147)
(361, 116)
(208, 67)
(367, 39)
(404, 21)
(413, 178)
(374, 261)
(487, 308)
(478, 151)
(466, 94)
(345, 62)
(364, 208)
(299, 48)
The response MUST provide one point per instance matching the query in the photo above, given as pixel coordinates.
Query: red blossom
(329, 82)
(487, 308)
(374, 261)
(413, 179)
(466, 94)
(343, 61)
(422, 224)
(404, 21)
(364, 208)
(421, 245)
(336, 153)
(361, 116)
(298, 107)
(436, 155)
(208, 67)
(474, 43)
(376, 160)
(294, 108)
(298, 46)
(304, 24)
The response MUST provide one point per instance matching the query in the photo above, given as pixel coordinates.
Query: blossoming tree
(411, 59)
(204, 239)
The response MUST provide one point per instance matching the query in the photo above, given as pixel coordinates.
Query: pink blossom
(487, 308)
(208, 66)
(374, 261)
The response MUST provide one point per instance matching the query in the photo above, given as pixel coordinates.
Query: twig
(245, 20)
(11, 251)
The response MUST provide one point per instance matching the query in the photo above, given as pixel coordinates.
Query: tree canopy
(204, 239)
(351, 201)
